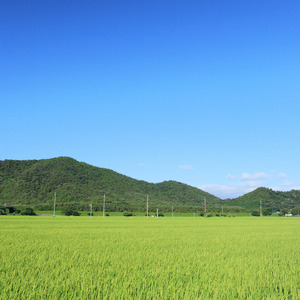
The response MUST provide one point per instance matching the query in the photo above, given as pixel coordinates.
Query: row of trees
(293, 211)
(24, 211)
(74, 210)
(283, 212)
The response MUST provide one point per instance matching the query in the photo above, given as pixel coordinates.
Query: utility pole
(260, 208)
(54, 204)
(172, 212)
(147, 206)
(222, 212)
(91, 211)
(157, 212)
(104, 206)
(205, 207)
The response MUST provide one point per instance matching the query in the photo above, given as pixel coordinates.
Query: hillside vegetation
(275, 200)
(33, 182)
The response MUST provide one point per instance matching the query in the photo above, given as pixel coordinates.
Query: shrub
(296, 211)
(283, 212)
(17, 211)
(11, 209)
(128, 214)
(3, 212)
(267, 212)
(255, 213)
(28, 211)
(71, 211)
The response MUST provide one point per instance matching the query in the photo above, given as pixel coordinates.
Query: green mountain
(275, 200)
(33, 182)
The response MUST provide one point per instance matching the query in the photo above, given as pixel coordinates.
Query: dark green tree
(283, 212)
(296, 211)
(267, 212)
(71, 210)
(255, 213)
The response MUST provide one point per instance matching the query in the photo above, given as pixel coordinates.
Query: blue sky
(202, 92)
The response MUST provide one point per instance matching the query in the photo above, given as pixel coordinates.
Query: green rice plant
(149, 258)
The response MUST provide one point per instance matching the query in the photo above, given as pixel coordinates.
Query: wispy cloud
(186, 167)
(285, 188)
(287, 183)
(231, 190)
(282, 175)
(259, 175)
(248, 182)
(141, 164)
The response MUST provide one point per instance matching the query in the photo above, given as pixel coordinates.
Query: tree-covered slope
(35, 181)
(275, 200)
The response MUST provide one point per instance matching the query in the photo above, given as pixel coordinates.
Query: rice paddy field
(155, 258)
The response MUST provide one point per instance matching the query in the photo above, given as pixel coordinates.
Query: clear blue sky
(202, 92)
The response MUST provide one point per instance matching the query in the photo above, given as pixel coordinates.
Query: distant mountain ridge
(33, 182)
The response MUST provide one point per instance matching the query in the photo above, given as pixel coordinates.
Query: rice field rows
(140, 258)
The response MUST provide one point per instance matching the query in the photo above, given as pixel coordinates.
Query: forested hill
(33, 182)
(275, 200)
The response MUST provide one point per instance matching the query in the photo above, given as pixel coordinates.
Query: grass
(140, 258)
